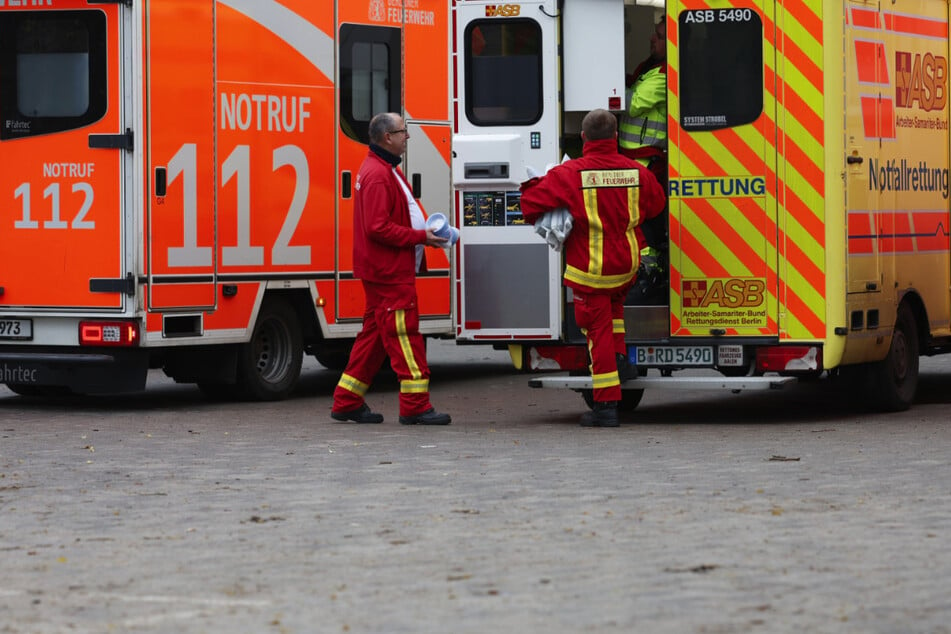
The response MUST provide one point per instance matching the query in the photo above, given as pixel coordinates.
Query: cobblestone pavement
(706, 513)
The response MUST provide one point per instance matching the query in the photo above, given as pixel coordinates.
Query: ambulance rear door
(723, 181)
(63, 161)
(508, 118)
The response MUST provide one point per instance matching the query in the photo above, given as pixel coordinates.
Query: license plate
(672, 355)
(16, 328)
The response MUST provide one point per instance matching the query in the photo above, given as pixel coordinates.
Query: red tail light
(108, 333)
(789, 359)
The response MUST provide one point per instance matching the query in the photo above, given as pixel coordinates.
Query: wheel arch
(306, 310)
(332, 352)
(913, 301)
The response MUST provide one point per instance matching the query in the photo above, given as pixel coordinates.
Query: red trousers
(390, 328)
(601, 318)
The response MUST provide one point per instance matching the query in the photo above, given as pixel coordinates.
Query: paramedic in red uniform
(608, 195)
(388, 237)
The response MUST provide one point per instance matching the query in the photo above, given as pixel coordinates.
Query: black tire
(269, 365)
(894, 380)
(630, 399)
(333, 354)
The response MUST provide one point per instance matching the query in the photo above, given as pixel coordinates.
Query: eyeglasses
(403, 130)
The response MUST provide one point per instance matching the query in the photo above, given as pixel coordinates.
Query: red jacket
(608, 195)
(384, 241)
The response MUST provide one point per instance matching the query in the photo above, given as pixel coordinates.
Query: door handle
(417, 186)
(346, 181)
(854, 160)
(161, 181)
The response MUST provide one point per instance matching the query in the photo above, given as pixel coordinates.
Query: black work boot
(604, 414)
(625, 370)
(362, 414)
(429, 417)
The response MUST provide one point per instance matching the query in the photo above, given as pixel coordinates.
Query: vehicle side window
(52, 71)
(503, 65)
(721, 68)
(370, 80)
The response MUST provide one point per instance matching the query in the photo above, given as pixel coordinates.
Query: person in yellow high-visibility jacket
(642, 132)
(642, 135)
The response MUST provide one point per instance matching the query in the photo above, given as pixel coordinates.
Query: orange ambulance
(176, 184)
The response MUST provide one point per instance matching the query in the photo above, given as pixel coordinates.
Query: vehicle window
(369, 76)
(721, 68)
(52, 71)
(503, 65)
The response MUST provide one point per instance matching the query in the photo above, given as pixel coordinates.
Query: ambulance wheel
(630, 399)
(269, 365)
(894, 380)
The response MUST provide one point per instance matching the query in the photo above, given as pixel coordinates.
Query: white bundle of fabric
(554, 227)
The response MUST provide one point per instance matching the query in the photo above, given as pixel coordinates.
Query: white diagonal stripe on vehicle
(315, 45)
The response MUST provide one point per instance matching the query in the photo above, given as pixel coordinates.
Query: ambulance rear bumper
(92, 371)
(745, 383)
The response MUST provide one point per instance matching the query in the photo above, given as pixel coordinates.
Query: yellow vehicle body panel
(813, 220)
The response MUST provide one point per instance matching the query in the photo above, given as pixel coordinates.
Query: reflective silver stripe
(637, 131)
(642, 122)
(657, 143)
(634, 140)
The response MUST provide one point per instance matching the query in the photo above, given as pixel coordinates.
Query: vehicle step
(671, 382)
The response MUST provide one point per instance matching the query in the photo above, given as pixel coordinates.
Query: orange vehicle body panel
(425, 40)
(272, 125)
(180, 229)
(58, 223)
(278, 110)
(350, 299)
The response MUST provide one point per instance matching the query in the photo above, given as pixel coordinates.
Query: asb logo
(729, 293)
(693, 293)
(919, 80)
(502, 10)
(922, 80)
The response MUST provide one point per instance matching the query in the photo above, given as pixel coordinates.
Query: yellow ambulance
(808, 183)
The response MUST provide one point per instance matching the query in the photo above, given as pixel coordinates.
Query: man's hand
(432, 240)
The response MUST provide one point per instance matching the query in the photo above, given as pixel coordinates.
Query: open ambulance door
(508, 118)
(181, 233)
(63, 160)
(724, 184)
